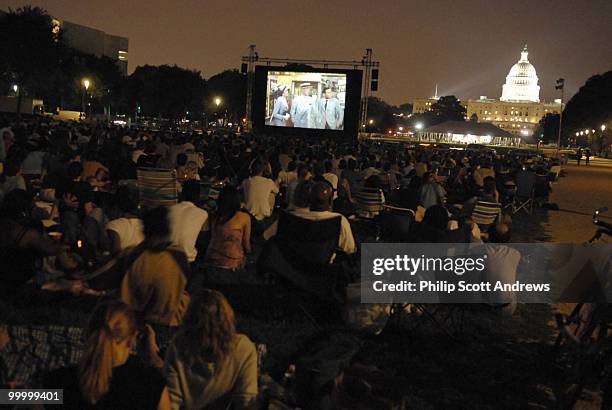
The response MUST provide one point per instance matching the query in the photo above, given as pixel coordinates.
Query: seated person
(302, 175)
(230, 232)
(208, 364)
(432, 192)
(434, 228)
(259, 192)
(502, 264)
(181, 167)
(285, 176)
(486, 209)
(320, 209)
(75, 197)
(106, 377)
(23, 244)
(11, 179)
(187, 220)
(154, 284)
(370, 200)
(126, 230)
(543, 186)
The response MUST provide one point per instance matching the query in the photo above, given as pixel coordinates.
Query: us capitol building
(518, 111)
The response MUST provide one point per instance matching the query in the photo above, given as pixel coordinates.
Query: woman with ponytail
(106, 377)
(208, 364)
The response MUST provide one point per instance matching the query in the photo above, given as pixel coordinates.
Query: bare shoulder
(243, 216)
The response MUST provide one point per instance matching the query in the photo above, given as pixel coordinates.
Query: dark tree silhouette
(166, 92)
(447, 108)
(31, 52)
(230, 86)
(590, 106)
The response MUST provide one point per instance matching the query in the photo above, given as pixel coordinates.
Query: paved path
(582, 190)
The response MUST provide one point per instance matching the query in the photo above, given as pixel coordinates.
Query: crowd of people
(71, 222)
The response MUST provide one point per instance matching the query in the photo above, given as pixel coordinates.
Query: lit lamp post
(18, 95)
(602, 141)
(86, 85)
(217, 103)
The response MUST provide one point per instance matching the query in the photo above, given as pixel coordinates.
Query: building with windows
(518, 111)
(97, 42)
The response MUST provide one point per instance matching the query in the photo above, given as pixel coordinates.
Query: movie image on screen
(306, 100)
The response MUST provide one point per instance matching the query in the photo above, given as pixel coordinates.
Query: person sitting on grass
(208, 364)
(259, 192)
(23, 244)
(155, 282)
(230, 232)
(106, 377)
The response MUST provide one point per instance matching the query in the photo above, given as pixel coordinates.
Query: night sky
(466, 46)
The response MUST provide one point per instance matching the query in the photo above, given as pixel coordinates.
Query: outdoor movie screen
(306, 100)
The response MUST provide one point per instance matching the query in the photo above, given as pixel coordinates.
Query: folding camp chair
(157, 187)
(525, 185)
(485, 213)
(395, 223)
(299, 258)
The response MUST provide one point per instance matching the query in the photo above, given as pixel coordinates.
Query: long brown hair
(110, 322)
(209, 328)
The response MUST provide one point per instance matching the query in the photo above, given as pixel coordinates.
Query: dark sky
(466, 46)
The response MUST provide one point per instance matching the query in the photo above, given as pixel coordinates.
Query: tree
(381, 115)
(405, 108)
(166, 92)
(447, 108)
(31, 51)
(590, 107)
(230, 86)
(547, 130)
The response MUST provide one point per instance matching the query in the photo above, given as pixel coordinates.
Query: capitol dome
(521, 82)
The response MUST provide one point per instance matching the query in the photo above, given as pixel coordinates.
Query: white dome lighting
(521, 82)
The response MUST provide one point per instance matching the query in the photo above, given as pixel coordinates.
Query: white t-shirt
(346, 241)
(333, 180)
(259, 196)
(186, 222)
(502, 265)
(285, 177)
(129, 230)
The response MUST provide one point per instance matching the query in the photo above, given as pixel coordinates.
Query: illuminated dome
(521, 82)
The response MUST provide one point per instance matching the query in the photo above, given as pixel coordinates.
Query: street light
(603, 127)
(217, 103)
(419, 126)
(86, 85)
(15, 88)
(371, 122)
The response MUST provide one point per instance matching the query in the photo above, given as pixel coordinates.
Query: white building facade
(518, 111)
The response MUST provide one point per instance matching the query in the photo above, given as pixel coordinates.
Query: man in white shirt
(259, 193)
(320, 205)
(187, 220)
(331, 177)
(502, 265)
(126, 231)
(286, 176)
